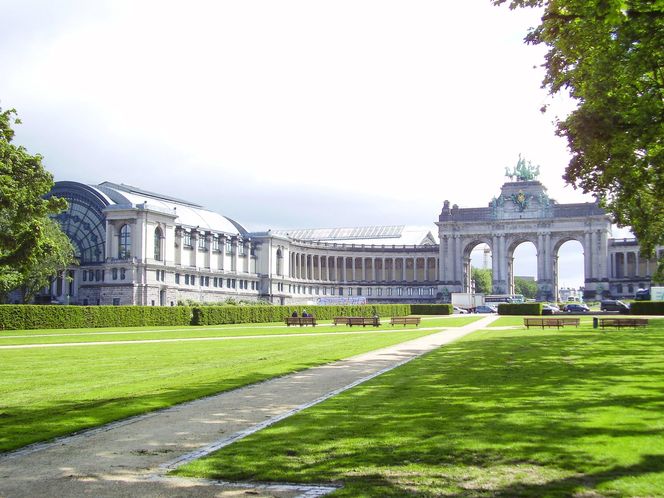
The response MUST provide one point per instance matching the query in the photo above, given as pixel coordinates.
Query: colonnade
(630, 264)
(374, 269)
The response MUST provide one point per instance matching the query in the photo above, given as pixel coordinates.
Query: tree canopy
(609, 56)
(29, 239)
(483, 280)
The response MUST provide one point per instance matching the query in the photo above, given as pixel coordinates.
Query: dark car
(576, 308)
(614, 305)
(642, 295)
(550, 309)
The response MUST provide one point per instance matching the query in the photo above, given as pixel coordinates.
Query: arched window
(124, 249)
(280, 262)
(158, 236)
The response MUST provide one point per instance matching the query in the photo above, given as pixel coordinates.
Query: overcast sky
(286, 114)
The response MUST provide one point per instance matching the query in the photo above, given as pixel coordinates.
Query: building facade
(142, 248)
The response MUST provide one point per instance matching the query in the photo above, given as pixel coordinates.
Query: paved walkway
(130, 457)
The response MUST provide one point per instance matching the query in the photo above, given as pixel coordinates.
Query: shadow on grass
(502, 414)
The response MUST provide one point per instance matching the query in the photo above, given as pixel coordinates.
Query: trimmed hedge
(520, 309)
(646, 308)
(29, 316)
(218, 315)
(431, 309)
(32, 316)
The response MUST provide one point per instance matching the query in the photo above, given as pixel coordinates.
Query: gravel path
(130, 457)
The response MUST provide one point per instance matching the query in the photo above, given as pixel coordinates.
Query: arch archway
(522, 263)
(569, 271)
(476, 254)
(523, 212)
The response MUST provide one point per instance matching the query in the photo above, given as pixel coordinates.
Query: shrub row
(431, 309)
(647, 308)
(28, 316)
(217, 315)
(25, 317)
(520, 309)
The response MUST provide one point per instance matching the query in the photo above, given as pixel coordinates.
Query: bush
(28, 316)
(431, 309)
(647, 308)
(520, 309)
(217, 315)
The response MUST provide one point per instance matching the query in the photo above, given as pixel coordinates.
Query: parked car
(486, 309)
(614, 305)
(576, 308)
(460, 311)
(642, 295)
(550, 309)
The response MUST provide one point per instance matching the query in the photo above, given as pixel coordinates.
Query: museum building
(138, 247)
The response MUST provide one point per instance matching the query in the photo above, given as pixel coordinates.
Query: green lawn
(575, 412)
(51, 391)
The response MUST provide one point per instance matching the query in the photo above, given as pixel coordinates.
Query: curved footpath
(130, 457)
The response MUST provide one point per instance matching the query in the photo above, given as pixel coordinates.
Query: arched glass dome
(83, 221)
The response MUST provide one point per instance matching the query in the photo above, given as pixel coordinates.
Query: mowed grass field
(538, 413)
(55, 382)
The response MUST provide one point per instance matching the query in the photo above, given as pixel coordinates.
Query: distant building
(139, 247)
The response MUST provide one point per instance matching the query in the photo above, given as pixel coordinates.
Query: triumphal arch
(523, 212)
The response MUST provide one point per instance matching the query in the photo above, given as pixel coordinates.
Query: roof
(367, 235)
(188, 213)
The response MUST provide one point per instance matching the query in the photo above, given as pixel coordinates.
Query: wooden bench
(623, 322)
(357, 320)
(300, 320)
(405, 320)
(550, 322)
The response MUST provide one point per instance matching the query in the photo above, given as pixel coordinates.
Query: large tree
(609, 56)
(483, 280)
(525, 286)
(28, 237)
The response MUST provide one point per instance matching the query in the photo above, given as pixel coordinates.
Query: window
(359, 291)
(187, 239)
(114, 273)
(177, 278)
(123, 273)
(158, 236)
(215, 244)
(98, 275)
(341, 291)
(124, 248)
(91, 275)
(116, 301)
(202, 242)
(431, 291)
(215, 282)
(242, 249)
(399, 291)
(369, 291)
(207, 281)
(229, 246)
(186, 279)
(380, 291)
(389, 291)
(193, 280)
(85, 275)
